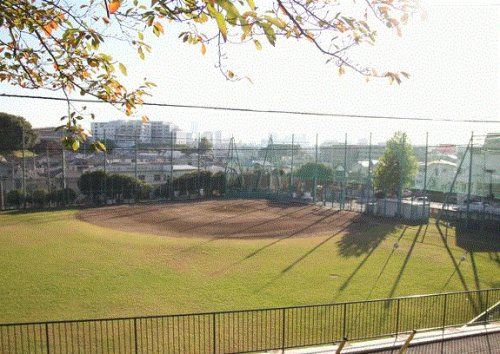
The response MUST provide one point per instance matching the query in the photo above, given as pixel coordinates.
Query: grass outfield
(54, 266)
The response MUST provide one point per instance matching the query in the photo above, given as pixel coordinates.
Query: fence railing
(252, 330)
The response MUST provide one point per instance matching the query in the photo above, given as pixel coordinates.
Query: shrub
(40, 197)
(15, 198)
(63, 196)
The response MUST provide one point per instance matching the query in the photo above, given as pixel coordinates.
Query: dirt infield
(223, 218)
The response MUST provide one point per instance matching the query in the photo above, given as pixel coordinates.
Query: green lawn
(53, 266)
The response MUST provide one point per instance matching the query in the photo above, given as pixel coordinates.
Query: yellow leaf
(341, 70)
(203, 49)
(159, 27)
(230, 74)
(76, 145)
(113, 6)
(145, 119)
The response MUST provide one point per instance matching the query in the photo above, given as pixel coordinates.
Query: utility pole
(172, 165)
(2, 198)
(370, 172)
(344, 177)
(315, 177)
(291, 166)
(23, 166)
(198, 177)
(469, 183)
(136, 156)
(49, 184)
(105, 170)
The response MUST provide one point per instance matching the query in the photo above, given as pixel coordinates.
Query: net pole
(344, 176)
(291, 166)
(315, 181)
(23, 166)
(469, 180)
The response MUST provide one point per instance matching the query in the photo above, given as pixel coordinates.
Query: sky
(453, 58)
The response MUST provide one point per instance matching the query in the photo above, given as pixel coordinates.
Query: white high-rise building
(126, 132)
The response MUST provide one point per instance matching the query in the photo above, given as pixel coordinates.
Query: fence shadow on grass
(358, 242)
(477, 241)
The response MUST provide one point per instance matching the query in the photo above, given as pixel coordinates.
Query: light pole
(490, 171)
(2, 197)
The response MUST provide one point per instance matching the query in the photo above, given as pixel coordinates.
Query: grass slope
(54, 266)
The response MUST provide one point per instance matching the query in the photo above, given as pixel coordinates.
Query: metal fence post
(444, 310)
(47, 345)
(344, 321)
(283, 328)
(487, 306)
(397, 316)
(135, 336)
(214, 334)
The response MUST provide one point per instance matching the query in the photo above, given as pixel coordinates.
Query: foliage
(92, 185)
(311, 170)
(204, 146)
(62, 196)
(11, 132)
(397, 167)
(15, 198)
(58, 45)
(98, 185)
(42, 146)
(194, 181)
(40, 197)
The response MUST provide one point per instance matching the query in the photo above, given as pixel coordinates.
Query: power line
(271, 111)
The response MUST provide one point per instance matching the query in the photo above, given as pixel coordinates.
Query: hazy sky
(453, 57)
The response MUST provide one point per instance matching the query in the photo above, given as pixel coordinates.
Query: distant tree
(92, 184)
(50, 145)
(121, 187)
(205, 145)
(40, 197)
(397, 167)
(11, 133)
(15, 198)
(318, 170)
(62, 196)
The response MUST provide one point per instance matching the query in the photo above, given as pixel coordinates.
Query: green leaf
(251, 3)
(221, 23)
(219, 18)
(123, 69)
(257, 44)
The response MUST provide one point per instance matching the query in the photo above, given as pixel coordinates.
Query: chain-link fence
(447, 181)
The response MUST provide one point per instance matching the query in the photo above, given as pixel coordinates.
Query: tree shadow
(351, 245)
(405, 262)
(456, 264)
(486, 240)
(359, 241)
(298, 260)
(292, 234)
